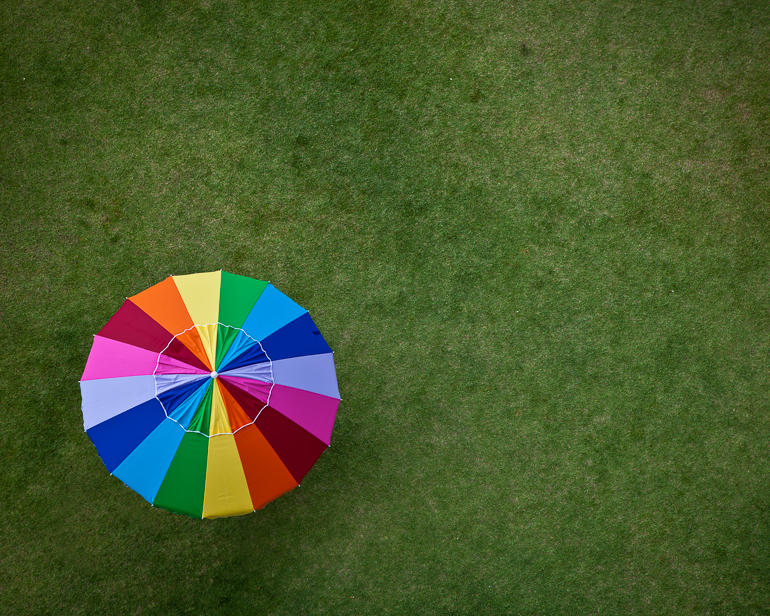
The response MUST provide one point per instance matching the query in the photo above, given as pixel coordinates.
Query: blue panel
(184, 412)
(143, 471)
(298, 338)
(241, 344)
(272, 311)
(174, 397)
(252, 355)
(117, 437)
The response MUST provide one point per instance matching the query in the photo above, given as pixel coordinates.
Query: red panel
(297, 448)
(179, 351)
(235, 413)
(250, 405)
(133, 326)
(266, 475)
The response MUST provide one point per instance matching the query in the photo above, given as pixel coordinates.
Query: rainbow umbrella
(210, 394)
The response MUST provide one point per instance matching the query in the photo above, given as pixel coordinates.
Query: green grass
(535, 234)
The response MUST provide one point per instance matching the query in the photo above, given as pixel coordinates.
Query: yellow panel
(200, 293)
(219, 422)
(208, 334)
(227, 492)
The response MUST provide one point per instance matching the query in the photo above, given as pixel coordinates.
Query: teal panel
(272, 311)
(143, 471)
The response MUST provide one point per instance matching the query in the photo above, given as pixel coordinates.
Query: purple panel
(169, 365)
(257, 389)
(250, 405)
(311, 372)
(314, 412)
(259, 372)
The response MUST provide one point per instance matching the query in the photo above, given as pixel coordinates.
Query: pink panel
(169, 365)
(314, 412)
(111, 359)
(256, 389)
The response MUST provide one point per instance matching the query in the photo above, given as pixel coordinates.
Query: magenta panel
(110, 359)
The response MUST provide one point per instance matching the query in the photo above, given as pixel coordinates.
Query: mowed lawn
(535, 234)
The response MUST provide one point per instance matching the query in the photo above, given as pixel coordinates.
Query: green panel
(225, 337)
(237, 296)
(200, 421)
(185, 482)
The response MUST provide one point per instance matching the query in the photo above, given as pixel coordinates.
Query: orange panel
(266, 475)
(237, 416)
(164, 304)
(192, 341)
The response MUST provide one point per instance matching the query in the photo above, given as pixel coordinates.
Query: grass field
(535, 234)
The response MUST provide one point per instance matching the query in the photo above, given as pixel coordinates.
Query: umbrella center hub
(243, 372)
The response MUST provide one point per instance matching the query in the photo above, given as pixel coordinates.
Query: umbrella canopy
(210, 394)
